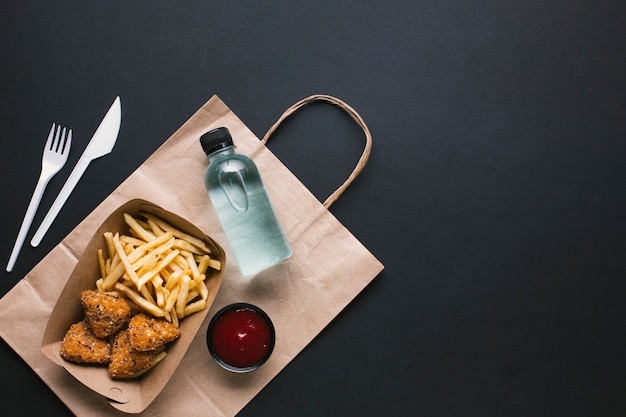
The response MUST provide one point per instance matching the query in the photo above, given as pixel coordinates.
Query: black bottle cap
(216, 139)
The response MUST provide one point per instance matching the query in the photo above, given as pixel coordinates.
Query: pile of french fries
(157, 267)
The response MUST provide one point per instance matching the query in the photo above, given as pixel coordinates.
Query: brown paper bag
(299, 296)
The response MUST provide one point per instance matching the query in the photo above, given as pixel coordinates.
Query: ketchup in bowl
(240, 337)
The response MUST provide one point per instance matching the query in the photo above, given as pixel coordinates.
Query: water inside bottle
(246, 213)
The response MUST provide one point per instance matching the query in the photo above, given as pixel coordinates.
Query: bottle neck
(221, 152)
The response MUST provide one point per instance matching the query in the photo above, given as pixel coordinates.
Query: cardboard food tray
(132, 395)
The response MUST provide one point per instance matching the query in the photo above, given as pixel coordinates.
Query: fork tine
(68, 142)
(50, 140)
(58, 139)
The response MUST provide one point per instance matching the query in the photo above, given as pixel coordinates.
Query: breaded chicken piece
(127, 362)
(104, 313)
(80, 345)
(149, 333)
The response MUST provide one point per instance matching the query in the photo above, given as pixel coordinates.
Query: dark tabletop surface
(494, 195)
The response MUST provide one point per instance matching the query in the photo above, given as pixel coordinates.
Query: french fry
(157, 282)
(192, 264)
(194, 307)
(149, 264)
(131, 240)
(141, 302)
(114, 275)
(99, 285)
(147, 294)
(171, 300)
(175, 268)
(174, 318)
(181, 300)
(173, 280)
(192, 294)
(157, 253)
(148, 245)
(181, 262)
(125, 262)
(203, 263)
(154, 227)
(138, 228)
(108, 238)
(101, 264)
(215, 264)
(178, 233)
(187, 246)
(204, 291)
(107, 267)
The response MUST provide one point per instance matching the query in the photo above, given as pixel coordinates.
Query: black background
(494, 195)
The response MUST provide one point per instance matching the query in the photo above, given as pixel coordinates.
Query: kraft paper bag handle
(354, 115)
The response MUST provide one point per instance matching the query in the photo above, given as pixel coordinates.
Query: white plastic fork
(54, 157)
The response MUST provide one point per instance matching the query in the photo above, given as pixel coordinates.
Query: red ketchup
(241, 337)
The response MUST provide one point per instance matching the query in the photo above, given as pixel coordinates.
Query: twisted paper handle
(355, 116)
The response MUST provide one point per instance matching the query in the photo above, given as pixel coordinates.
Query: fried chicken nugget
(104, 313)
(127, 362)
(149, 333)
(80, 345)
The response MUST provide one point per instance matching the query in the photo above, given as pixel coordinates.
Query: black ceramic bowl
(240, 337)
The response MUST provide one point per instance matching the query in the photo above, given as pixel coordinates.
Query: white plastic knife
(101, 144)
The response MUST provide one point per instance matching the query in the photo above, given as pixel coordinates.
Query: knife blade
(101, 144)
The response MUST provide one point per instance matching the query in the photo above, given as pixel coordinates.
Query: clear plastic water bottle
(242, 205)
